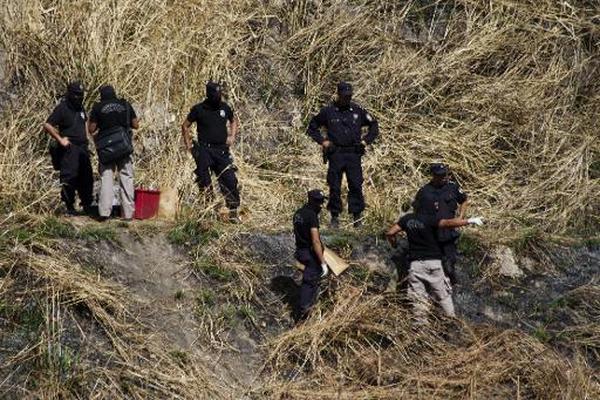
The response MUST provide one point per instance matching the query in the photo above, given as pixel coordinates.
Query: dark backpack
(115, 143)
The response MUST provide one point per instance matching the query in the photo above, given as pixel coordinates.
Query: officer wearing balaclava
(344, 145)
(67, 125)
(217, 128)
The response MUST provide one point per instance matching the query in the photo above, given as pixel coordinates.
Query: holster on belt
(360, 149)
(196, 151)
(327, 151)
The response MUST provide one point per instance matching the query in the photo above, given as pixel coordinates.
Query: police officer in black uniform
(344, 147)
(217, 129)
(309, 250)
(67, 125)
(443, 198)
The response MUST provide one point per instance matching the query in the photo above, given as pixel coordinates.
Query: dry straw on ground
(505, 92)
(367, 347)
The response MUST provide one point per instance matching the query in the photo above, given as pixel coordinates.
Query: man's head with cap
(439, 173)
(344, 94)
(75, 93)
(316, 198)
(213, 93)
(107, 92)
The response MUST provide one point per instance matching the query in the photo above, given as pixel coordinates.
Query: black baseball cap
(344, 88)
(316, 195)
(438, 169)
(75, 87)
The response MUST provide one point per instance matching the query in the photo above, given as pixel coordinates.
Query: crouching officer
(426, 278)
(217, 129)
(309, 251)
(67, 125)
(443, 198)
(344, 146)
(109, 114)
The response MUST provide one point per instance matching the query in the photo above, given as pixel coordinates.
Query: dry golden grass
(366, 347)
(122, 359)
(505, 92)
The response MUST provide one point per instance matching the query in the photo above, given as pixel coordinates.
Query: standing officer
(344, 147)
(217, 129)
(106, 115)
(309, 250)
(426, 278)
(67, 125)
(443, 198)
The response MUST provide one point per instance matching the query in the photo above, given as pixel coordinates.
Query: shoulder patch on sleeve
(369, 118)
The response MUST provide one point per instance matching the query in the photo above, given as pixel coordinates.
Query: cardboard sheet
(336, 264)
(169, 203)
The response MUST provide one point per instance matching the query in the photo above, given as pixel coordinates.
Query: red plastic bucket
(146, 203)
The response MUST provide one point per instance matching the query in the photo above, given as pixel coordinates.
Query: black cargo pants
(345, 161)
(311, 278)
(218, 159)
(76, 175)
(450, 255)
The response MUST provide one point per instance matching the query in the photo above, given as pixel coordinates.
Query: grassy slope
(505, 92)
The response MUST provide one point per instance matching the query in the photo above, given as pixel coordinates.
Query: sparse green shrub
(98, 232)
(205, 297)
(191, 233)
(56, 228)
(469, 245)
(213, 270)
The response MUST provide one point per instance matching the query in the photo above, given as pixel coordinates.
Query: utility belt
(219, 146)
(196, 146)
(354, 148)
(351, 149)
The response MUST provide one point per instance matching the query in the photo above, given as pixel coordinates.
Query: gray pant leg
(417, 291)
(105, 199)
(440, 287)
(126, 187)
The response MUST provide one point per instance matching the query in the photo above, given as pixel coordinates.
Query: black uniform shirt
(304, 220)
(211, 121)
(421, 232)
(343, 125)
(442, 201)
(110, 113)
(70, 122)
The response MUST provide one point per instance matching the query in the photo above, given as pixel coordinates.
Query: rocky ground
(225, 319)
(160, 273)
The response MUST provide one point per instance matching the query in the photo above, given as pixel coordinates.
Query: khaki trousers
(124, 168)
(426, 282)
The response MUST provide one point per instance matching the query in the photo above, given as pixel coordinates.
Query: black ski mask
(315, 206)
(213, 93)
(75, 95)
(107, 92)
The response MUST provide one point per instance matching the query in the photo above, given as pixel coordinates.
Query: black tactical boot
(335, 221)
(356, 220)
(234, 217)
